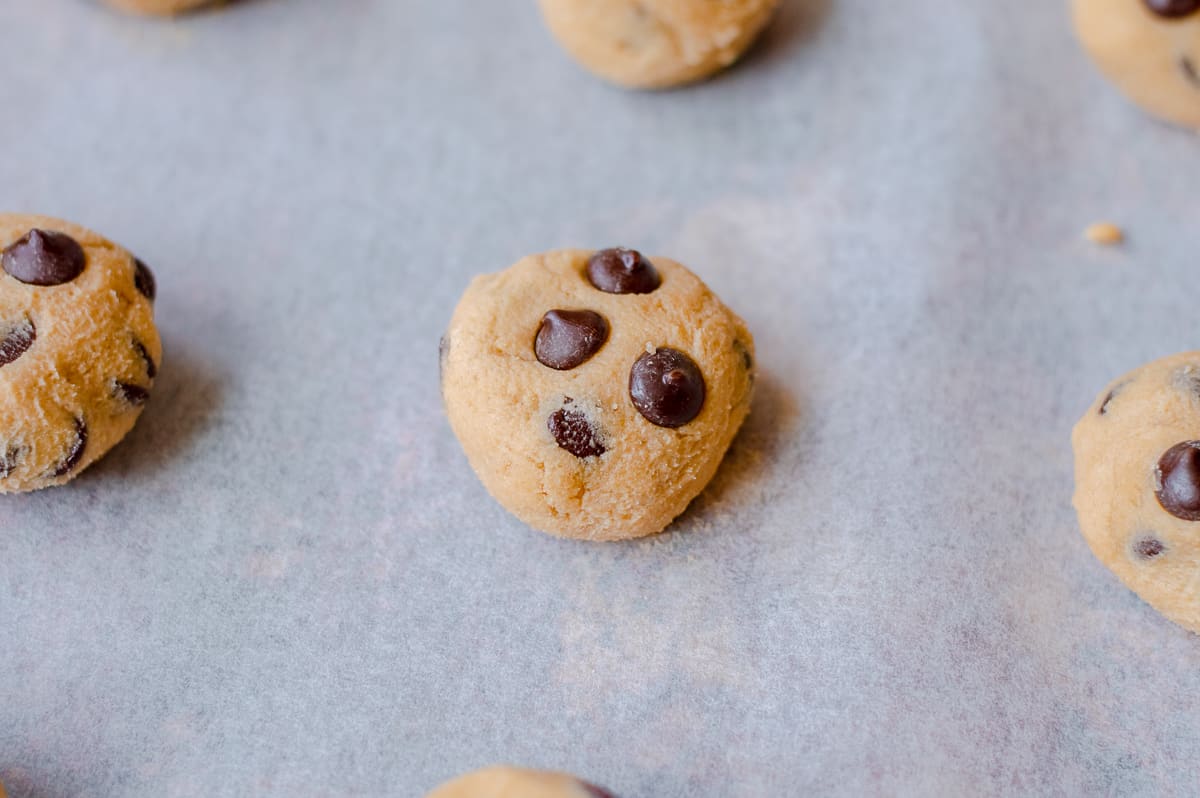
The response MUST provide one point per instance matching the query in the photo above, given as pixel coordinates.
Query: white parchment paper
(287, 581)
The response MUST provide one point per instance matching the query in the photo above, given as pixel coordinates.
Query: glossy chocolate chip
(151, 366)
(135, 395)
(44, 257)
(622, 271)
(144, 280)
(569, 338)
(1173, 9)
(667, 388)
(1148, 548)
(1178, 476)
(16, 341)
(10, 458)
(573, 431)
(77, 449)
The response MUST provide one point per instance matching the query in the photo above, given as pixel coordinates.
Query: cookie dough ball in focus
(1150, 49)
(78, 349)
(1137, 483)
(595, 393)
(653, 44)
(513, 783)
(159, 7)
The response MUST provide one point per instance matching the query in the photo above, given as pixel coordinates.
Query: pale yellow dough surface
(653, 44)
(1145, 55)
(1145, 413)
(501, 782)
(93, 334)
(498, 397)
(159, 7)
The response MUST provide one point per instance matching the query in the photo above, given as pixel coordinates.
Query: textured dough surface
(498, 397)
(161, 7)
(93, 335)
(501, 782)
(1145, 413)
(1155, 61)
(656, 43)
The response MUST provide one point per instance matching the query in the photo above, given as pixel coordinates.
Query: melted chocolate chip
(44, 257)
(622, 271)
(135, 395)
(144, 280)
(10, 458)
(1178, 476)
(77, 449)
(1173, 9)
(574, 432)
(569, 338)
(667, 388)
(1148, 548)
(16, 341)
(151, 366)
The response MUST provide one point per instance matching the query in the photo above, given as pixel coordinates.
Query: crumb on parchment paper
(1104, 233)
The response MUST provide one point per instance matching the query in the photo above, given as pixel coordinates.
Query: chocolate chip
(574, 432)
(1178, 478)
(622, 271)
(144, 280)
(44, 257)
(569, 338)
(17, 340)
(1173, 9)
(151, 366)
(10, 458)
(667, 388)
(1107, 400)
(77, 449)
(1148, 548)
(135, 395)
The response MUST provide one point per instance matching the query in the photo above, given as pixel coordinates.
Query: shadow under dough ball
(1150, 49)
(504, 782)
(79, 350)
(1137, 483)
(160, 7)
(655, 44)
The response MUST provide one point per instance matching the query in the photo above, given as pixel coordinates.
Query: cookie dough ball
(1150, 49)
(159, 7)
(653, 44)
(514, 783)
(1137, 483)
(595, 393)
(78, 349)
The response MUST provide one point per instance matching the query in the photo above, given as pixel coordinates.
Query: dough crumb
(1104, 233)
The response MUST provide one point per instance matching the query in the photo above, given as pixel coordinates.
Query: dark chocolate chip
(135, 395)
(596, 792)
(151, 366)
(144, 280)
(1178, 477)
(1148, 548)
(574, 432)
(622, 271)
(569, 338)
(10, 458)
(667, 388)
(77, 449)
(1107, 400)
(1173, 9)
(17, 341)
(44, 257)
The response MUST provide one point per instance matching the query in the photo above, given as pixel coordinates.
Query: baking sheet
(287, 582)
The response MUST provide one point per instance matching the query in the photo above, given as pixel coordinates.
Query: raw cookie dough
(1150, 49)
(595, 393)
(78, 349)
(1137, 483)
(513, 783)
(160, 7)
(653, 44)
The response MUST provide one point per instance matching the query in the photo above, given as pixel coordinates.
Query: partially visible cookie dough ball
(654, 44)
(1150, 49)
(1137, 483)
(595, 393)
(160, 7)
(501, 782)
(78, 349)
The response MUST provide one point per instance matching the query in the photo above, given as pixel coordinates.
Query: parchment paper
(288, 582)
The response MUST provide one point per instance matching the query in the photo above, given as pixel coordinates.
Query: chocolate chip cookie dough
(503, 782)
(159, 7)
(78, 349)
(1150, 49)
(1137, 483)
(595, 393)
(654, 44)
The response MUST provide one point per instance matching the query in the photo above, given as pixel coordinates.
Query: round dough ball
(654, 44)
(160, 7)
(1150, 49)
(503, 782)
(78, 349)
(1137, 483)
(596, 430)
